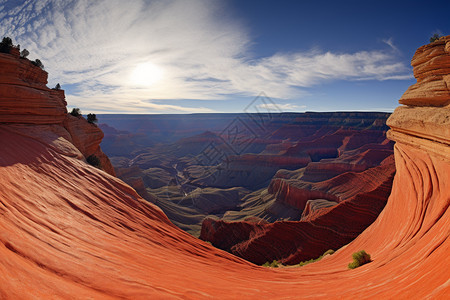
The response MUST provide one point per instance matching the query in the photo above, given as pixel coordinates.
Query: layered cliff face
(87, 138)
(26, 102)
(347, 204)
(71, 231)
(431, 69)
(25, 98)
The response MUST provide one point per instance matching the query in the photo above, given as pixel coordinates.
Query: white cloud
(94, 47)
(390, 43)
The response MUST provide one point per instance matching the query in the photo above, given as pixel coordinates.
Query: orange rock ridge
(68, 230)
(26, 100)
(431, 65)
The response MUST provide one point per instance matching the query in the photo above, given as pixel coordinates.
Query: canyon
(71, 230)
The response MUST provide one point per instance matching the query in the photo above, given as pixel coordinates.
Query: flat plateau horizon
(242, 113)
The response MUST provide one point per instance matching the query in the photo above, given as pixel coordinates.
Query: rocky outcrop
(24, 96)
(351, 161)
(431, 65)
(296, 196)
(26, 100)
(87, 138)
(349, 204)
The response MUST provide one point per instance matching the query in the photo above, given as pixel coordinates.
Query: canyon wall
(26, 103)
(71, 231)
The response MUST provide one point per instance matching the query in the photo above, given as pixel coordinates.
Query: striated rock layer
(69, 230)
(24, 96)
(26, 101)
(291, 242)
(432, 70)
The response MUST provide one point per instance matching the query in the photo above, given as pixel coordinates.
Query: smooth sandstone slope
(68, 230)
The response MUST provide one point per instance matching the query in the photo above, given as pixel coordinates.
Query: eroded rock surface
(71, 231)
(27, 102)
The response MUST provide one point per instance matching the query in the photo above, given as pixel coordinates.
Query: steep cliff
(25, 98)
(27, 102)
(71, 231)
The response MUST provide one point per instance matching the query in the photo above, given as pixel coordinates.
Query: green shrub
(57, 87)
(76, 112)
(92, 118)
(38, 63)
(273, 264)
(304, 263)
(94, 161)
(6, 45)
(359, 258)
(328, 252)
(276, 264)
(434, 37)
(24, 53)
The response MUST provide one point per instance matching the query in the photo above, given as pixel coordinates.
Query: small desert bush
(92, 118)
(359, 258)
(304, 263)
(434, 37)
(94, 161)
(6, 45)
(76, 112)
(276, 264)
(24, 53)
(273, 264)
(38, 63)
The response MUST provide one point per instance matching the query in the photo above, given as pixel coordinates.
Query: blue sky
(114, 56)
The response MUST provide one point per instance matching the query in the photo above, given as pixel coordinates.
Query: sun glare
(146, 74)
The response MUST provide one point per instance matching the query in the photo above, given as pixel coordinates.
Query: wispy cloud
(95, 47)
(390, 43)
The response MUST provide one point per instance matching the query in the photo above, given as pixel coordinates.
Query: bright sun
(146, 74)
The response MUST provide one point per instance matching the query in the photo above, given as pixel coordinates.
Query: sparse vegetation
(24, 53)
(92, 118)
(276, 264)
(57, 87)
(94, 161)
(76, 112)
(6, 45)
(38, 63)
(434, 37)
(304, 263)
(273, 264)
(359, 258)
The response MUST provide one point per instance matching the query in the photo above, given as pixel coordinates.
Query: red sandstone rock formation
(87, 138)
(431, 69)
(329, 228)
(25, 99)
(68, 230)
